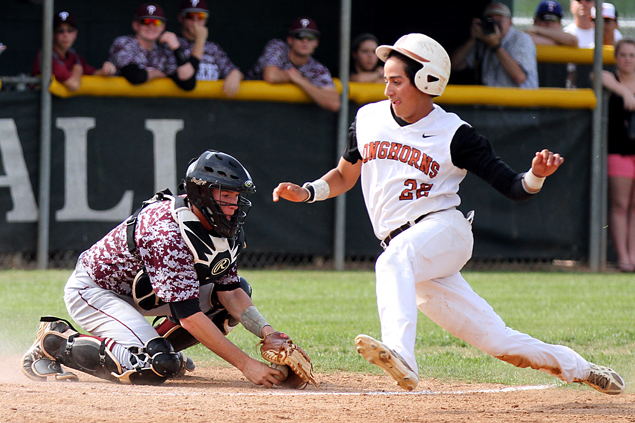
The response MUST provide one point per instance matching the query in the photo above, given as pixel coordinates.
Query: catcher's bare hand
(291, 192)
(261, 374)
(545, 163)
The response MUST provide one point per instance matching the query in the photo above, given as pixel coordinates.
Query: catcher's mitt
(278, 348)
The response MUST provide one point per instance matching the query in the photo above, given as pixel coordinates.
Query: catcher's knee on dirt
(154, 363)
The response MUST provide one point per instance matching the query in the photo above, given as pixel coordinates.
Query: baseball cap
(608, 11)
(193, 6)
(64, 18)
(549, 11)
(149, 11)
(304, 26)
(497, 9)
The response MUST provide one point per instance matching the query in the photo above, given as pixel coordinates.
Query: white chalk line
(327, 393)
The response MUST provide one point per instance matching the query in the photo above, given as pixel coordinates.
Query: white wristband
(319, 188)
(532, 182)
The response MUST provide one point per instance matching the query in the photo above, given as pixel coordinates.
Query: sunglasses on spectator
(196, 15)
(305, 37)
(150, 21)
(67, 30)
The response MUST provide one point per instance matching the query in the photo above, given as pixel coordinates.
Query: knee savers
(153, 364)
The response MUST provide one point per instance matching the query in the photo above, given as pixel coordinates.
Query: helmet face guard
(214, 170)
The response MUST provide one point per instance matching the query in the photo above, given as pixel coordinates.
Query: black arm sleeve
(474, 153)
(183, 309)
(351, 153)
(187, 85)
(134, 74)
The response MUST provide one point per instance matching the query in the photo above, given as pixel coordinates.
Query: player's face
(302, 46)
(407, 101)
(625, 58)
(189, 21)
(64, 36)
(148, 30)
(365, 56)
(228, 201)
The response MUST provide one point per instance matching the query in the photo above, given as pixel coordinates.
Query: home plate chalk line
(289, 392)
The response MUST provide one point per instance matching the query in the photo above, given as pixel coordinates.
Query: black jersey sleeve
(351, 153)
(183, 309)
(474, 153)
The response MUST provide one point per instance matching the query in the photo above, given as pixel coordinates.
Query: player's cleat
(604, 380)
(380, 355)
(35, 353)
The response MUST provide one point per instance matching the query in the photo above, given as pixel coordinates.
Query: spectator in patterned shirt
(292, 62)
(152, 53)
(213, 63)
(500, 55)
(176, 256)
(68, 65)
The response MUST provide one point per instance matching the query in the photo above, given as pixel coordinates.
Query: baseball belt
(399, 230)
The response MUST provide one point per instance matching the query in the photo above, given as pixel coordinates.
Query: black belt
(399, 230)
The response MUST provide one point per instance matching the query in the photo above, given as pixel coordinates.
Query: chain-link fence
(285, 261)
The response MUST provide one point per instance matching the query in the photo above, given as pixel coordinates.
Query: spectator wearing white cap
(547, 27)
(611, 34)
(500, 55)
(151, 52)
(293, 62)
(210, 60)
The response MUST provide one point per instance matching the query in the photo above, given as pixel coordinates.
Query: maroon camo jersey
(126, 50)
(167, 259)
(276, 53)
(215, 63)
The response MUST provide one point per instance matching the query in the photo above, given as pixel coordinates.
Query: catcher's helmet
(216, 170)
(434, 76)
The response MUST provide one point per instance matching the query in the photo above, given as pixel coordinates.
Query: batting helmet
(435, 73)
(216, 170)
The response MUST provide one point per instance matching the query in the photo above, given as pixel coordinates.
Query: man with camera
(500, 55)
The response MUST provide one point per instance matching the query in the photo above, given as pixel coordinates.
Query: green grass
(324, 311)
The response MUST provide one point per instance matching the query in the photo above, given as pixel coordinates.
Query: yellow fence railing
(360, 93)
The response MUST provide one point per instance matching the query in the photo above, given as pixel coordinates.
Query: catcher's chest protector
(213, 256)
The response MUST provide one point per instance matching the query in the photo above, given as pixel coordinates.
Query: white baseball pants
(421, 269)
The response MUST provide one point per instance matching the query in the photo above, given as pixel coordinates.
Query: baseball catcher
(175, 257)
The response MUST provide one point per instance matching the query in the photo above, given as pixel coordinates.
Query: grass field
(323, 311)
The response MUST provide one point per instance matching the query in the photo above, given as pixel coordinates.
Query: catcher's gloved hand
(278, 348)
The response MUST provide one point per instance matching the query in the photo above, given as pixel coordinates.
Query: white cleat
(380, 355)
(604, 380)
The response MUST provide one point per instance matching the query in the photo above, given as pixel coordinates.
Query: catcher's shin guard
(84, 353)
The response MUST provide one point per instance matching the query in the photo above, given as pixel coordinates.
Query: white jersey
(407, 171)
(586, 37)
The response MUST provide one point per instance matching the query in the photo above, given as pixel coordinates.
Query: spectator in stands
(213, 63)
(68, 65)
(547, 28)
(621, 152)
(292, 62)
(611, 34)
(500, 55)
(582, 25)
(152, 53)
(365, 65)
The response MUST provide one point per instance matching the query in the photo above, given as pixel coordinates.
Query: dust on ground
(222, 394)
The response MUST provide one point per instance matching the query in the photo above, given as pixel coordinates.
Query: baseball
(283, 368)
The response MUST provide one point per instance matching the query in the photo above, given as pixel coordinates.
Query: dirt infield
(219, 394)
